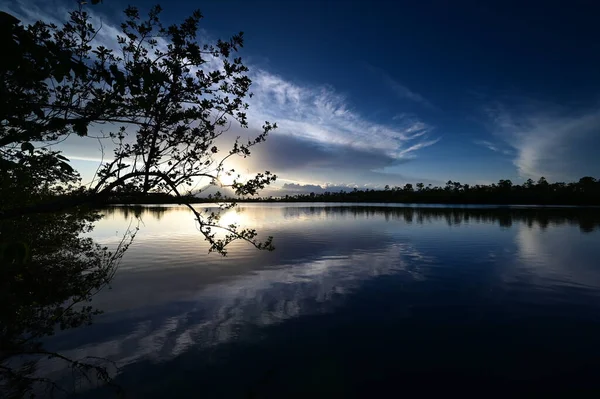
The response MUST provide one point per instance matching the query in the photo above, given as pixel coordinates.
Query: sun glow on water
(233, 216)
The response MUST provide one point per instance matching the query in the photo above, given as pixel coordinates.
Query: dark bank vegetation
(160, 105)
(586, 191)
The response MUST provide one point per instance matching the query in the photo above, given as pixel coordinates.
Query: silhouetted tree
(160, 102)
(504, 185)
(529, 183)
(158, 98)
(49, 273)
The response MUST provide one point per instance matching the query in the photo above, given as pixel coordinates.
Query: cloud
(295, 188)
(29, 12)
(399, 89)
(83, 158)
(321, 138)
(376, 181)
(404, 92)
(496, 147)
(320, 115)
(548, 140)
(288, 153)
(487, 144)
(418, 146)
(318, 127)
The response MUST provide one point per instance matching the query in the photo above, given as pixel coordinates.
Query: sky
(369, 93)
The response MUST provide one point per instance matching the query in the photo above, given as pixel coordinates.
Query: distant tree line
(586, 191)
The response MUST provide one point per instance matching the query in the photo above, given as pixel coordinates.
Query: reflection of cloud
(548, 256)
(220, 311)
(326, 254)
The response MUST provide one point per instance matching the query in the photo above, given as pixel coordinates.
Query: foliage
(586, 191)
(49, 273)
(164, 99)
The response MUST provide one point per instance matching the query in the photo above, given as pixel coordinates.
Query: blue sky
(381, 92)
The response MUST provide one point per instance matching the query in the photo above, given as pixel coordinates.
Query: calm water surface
(355, 301)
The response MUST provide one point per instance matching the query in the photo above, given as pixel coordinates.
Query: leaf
(27, 147)
(78, 67)
(80, 127)
(38, 112)
(62, 158)
(6, 19)
(66, 167)
(15, 252)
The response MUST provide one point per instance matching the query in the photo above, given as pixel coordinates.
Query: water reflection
(588, 219)
(403, 272)
(156, 211)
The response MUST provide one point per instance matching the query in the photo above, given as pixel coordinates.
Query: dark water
(355, 301)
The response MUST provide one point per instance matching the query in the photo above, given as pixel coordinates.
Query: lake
(355, 301)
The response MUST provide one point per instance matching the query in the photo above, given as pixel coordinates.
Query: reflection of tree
(587, 226)
(587, 219)
(505, 220)
(165, 120)
(48, 275)
(136, 211)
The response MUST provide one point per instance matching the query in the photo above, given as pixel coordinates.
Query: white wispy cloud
(296, 188)
(29, 12)
(83, 158)
(405, 92)
(418, 146)
(548, 140)
(488, 145)
(320, 114)
(400, 89)
(213, 312)
(315, 114)
(496, 147)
